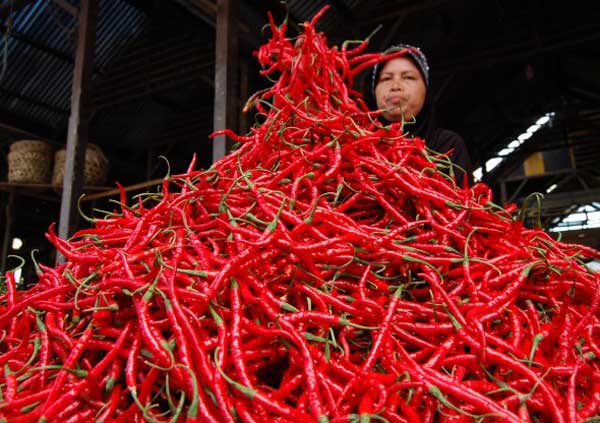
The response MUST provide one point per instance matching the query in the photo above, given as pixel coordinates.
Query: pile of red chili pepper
(328, 270)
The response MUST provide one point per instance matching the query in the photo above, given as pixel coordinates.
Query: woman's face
(400, 90)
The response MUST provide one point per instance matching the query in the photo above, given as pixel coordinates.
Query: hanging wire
(5, 37)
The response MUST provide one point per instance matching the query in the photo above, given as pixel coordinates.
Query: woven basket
(95, 170)
(30, 161)
(30, 146)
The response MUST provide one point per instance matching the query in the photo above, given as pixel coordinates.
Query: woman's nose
(396, 84)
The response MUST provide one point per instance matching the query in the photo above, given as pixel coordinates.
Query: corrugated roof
(37, 83)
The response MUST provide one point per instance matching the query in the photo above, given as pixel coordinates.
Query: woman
(400, 89)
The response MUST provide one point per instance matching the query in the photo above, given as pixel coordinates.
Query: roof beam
(12, 6)
(37, 45)
(21, 132)
(152, 84)
(522, 50)
(33, 101)
(205, 11)
(145, 6)
(25, 127)
(248, 19)
(152, 61)
(72, 10)
(566, 199)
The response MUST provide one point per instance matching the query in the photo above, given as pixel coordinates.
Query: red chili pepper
(262, 289)
(52, 406)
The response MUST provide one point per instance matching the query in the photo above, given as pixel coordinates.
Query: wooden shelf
(48, 192)
(14, 185)
(91, 193)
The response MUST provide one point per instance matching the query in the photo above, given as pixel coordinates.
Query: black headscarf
(424, 125)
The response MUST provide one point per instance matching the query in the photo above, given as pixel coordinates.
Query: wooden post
(226, 102)
(243, 96)
(504, 194)
(77, 136)
(8, 230)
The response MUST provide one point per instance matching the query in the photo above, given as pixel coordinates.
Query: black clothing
(438, 139)
(443, 141)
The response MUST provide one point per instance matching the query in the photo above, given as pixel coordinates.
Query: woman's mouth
(396, 100)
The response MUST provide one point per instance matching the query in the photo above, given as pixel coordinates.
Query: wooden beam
(566, 199)
(199, 11)
(77, 135)
(226, 74)
(21, 132)
(33, 101)
(150, 89)
(72, 10)
(16, 125)
(62, 56)
(23, 187)
(144, 81)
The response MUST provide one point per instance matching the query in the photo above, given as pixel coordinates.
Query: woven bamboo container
(30, 161)
(95, 169)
